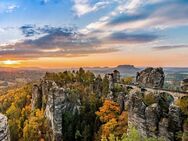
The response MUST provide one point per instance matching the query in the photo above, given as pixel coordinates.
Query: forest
(99, 118)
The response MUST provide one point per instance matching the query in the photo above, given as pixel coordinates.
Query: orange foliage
(114, 122)
(109, 111)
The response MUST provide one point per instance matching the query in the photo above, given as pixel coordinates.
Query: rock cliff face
(56, 101)
(59, 102)
(184, 85)
(151, 77)
(36, 97)
(113, 78)
(4, 130)
(158, 119)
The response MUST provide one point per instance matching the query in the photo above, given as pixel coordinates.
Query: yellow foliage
(183, 104)
(149, 99)
(34, 126)
(109, 127)
(127, 80)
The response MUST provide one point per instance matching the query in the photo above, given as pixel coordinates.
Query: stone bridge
(175, 94)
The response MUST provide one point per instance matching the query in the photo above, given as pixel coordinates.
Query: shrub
(149, 98)
(133, 135)
(183, 104)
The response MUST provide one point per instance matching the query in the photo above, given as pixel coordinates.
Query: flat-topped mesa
(151, 77)
(184, 85)
(4, 129)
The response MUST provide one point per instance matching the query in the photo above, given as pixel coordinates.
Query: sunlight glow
(10, 62)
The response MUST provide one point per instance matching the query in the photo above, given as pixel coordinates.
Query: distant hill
(125, 70)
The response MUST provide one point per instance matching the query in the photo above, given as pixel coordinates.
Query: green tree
(105, 86)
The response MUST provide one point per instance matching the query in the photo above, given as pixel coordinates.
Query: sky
(75, 33)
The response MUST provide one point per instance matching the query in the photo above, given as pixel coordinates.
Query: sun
(10, 62)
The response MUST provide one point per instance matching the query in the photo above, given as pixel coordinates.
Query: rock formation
(56, 101)
(152, 120)
(4, 130)
(151, 77)
(36, 102)
(153, 114)
(184, 85)
(113, 78)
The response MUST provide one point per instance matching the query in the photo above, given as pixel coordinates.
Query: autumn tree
(34, 126)
(113, 121)
(127, 80)
(108, 111)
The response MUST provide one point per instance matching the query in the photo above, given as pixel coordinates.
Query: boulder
(151, 77)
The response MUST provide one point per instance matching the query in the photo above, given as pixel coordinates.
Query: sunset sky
(74, 33)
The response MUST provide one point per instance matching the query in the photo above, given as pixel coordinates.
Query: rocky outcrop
(113, 78)
(36, 102)
(59, 102)
(151, 77)
(151, 120)
(4, 130)
(40, 94)
(184, 85)
(56, 101)
(185, 131)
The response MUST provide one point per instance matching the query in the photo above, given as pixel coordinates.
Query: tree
(34, 126)
(133, 135)
(108, 111)
(183, 104)
(113, 121)
(127, 80)
(105, 86)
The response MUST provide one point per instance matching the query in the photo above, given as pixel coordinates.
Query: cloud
(147, 15)
(29, 30)
(123, 37)
(58, 42)
(169, 47)
(125, 18)
(82, 7)
(33, 30)
(8, 8)
(43, 2)
(68, 42)
(11, 8)
(164, 14)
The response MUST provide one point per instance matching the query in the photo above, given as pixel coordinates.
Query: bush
(127, 80)
(183, 104)
(149, 98)
(133, 135)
